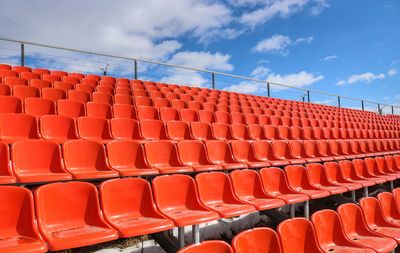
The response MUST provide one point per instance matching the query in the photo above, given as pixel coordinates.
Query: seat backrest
(167, 114)
(178, 130)
(175, 192)
(256, 132)
(372, 212)
(126, 154)
(93, 127)
(352, 219)
(124, 128)
(222, 117)
(58, 127)
(257, 240)
(21, 126)
(297, 176)
(147, 113)
(9, 104)
(317, 174)
(298, 236)
(221, 131)
(102, 110)
(329, 228)
(193, 152)
(188, 115)
(275, 181)
(22, 92)
(215, 187)
(79, 95)
(243, 151)
(124, 111)
(389, 205)
(271, 132)
(70, 108)
(263, 150)
(219, 151)
(280, 149)
(201, 131)
(161, 153)
(153, 130)
(240, 132)
(102, 98)
(247, 183)
(208, 247)
(39, 106)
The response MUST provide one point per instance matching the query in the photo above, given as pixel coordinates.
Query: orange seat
(124, 111)
(216, 192)
(69, 216)
(188, 115)
(102, 98)
(40, 84)
(201, 131)
(70, 108)
(264, 152)
(390, 208)
(256, 132)
(4, 89)
(248, 188)
(331, 235)
(335, 175)
(22, 92)
(220, 153)
(64, 86)
(6, 174)
(39, 106)
(297, 151)
(58, 128)
(147, 113)
(193, 153)
(361, 169)
(381, 164)
(257, 240)
(376, 221)
(153, 130)
(19, 232)
(299, 180)
(86, 160)
(102, 110)
(208, 247)
(127, 157)
(375, 170)
(298, 236)
(125, 129)
(94, 128)
(43, 165)
(243, 151)
(163, 156)
(356, 229)
(5, 67)
(10, 104)
(128, 206)
(318, 178)
(206, 116)
(350, 174)
(123, 99)
(177, 198)
(178, 130)
(79, 96)
(167, 114)
(281, 151)
(15, 127)
(54, 94)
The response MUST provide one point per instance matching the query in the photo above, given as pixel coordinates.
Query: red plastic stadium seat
(297, 151)
(6, 174)
(331, 235)
(350, 174)
(389, 207)
(43, 165)
(125, 129)
(319, 179)
(163, 155)
(243, 151)
(376, 221)
(362, 171)
(78, 95)
(206, 116)
(193, 153)
(124, 111)
(128, 205)
(15, 127)
(85, 87)
(21, 69)
(63, 210)
(323, 151)
(13, 81)
(249, 189)
(219, 152)
(127, 157)
(70, 108)
(86, 160)
(281, 151)
(335, 175)
(41, 71)
(376, 171)
(40, 84)
(222, 131)
(19, 231)
(188, 115)
(39, 106)
(123, 99)
(264, 152)
(168, 114)
(298, 236)
(58, 128)
(4, 90)
(64, 86)
(102, 98)
(356, 230)
(257, 240)
(5, 67)
(216, 192)
(94, 128)
(102, 110)
(177, 198)
(299, 180)
(178, 130)
(209, 247)
(54, 94)
(10, 104)
(153, 130)
(22, 92)
(201, 131)
(147, 113)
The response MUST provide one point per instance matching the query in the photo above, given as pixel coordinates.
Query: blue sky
(347, 47)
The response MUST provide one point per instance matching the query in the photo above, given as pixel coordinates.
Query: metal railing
(213, 76)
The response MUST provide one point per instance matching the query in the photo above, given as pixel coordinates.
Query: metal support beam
(22, 54)
(379, 109)
(353, 196)
(366, 191)
(136, 72)
(362, 105)
(181, 237)
(308, 96)
(338, 101)
(196, 233)
(392, 110)
(292, 210)
(307, 209)
(268, 90)
(391, 185)
(213, 80)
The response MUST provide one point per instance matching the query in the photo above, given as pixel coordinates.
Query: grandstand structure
(87, 159)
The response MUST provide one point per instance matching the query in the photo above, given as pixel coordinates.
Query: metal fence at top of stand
(24, 52)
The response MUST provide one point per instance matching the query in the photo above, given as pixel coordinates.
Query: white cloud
(299, 79)
(260, 72)
(364, 77)
(279, 44)
(319, 7)
(329, 58)
(272, 9)
(392, 72)
(397, 96)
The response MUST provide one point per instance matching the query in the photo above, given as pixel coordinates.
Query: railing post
(213, 80)
(338, 101)
(268, 90)
(22, 54)
(136, 74)
(362, 105)
(392, 110)
(308, 96)
(379, 109)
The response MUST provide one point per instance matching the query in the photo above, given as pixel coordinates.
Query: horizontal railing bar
(188, 68)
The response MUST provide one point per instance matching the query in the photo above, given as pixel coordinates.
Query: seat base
(135, 226)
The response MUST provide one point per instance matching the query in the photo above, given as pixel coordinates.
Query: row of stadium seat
(374, 226)
(69, 215)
